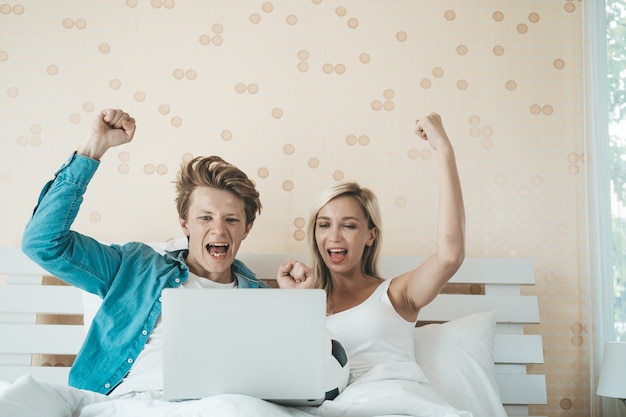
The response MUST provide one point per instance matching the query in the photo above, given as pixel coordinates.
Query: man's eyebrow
(233, 214)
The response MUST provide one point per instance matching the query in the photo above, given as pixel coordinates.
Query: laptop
(266, 343)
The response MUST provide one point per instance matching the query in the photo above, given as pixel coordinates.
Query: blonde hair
(369, 204)
(214, 172)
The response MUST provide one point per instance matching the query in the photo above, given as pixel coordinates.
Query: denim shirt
(129, 278)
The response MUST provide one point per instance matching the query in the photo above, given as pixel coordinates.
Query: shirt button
(160, 298)
(107, 386)
(144, 332)
(177, 280)
(130, 360)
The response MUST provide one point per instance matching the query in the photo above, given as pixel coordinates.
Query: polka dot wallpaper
(304, 94)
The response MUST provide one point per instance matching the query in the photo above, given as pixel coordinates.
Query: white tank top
(373, 333)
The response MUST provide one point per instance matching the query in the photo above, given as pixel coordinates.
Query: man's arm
(48, 240)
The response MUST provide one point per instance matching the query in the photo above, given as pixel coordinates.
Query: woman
(374, 317)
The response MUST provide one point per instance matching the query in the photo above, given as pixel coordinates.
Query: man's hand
(112, 127)
(294, 274)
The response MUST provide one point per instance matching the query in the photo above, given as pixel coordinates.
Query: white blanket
(385, 391)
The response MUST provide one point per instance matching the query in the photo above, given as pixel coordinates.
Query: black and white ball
(337, 368)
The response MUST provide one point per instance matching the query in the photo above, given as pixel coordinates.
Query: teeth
(220, 254)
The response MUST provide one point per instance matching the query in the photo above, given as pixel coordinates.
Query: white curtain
(600, 272)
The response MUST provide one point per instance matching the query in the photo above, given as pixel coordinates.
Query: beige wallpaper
(303, 93)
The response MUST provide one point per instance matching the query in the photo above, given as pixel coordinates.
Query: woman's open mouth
(337, 255)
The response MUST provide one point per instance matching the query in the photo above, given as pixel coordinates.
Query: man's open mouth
(217, 250)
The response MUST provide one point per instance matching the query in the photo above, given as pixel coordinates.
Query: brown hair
(214, 172)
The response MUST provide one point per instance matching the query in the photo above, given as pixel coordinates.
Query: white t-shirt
(145, 378)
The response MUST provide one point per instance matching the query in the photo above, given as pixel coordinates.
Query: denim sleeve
(75, 258)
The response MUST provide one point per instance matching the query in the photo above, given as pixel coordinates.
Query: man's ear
(248, 228)
(183, 226)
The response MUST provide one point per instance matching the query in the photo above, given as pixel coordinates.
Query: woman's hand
(430, 128)
(295, 275)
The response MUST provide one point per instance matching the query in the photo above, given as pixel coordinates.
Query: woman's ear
(372, 238)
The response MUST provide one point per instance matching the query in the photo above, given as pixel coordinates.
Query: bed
(470, 342)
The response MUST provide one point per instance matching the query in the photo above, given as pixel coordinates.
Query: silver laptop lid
(266, 343)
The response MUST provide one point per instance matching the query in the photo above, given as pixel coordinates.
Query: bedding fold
(384, 391)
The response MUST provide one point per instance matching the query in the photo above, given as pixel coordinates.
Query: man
(217, 205)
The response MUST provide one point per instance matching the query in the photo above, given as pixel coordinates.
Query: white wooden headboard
(481, 284)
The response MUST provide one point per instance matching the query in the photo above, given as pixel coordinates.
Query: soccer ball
(337, 368)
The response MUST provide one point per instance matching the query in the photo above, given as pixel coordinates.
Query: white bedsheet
(385, 391)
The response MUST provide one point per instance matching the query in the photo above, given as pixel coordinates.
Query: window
(616, 73)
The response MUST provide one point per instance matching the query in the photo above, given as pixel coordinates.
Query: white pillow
(27, 398)
(170, 245)
(457, 358)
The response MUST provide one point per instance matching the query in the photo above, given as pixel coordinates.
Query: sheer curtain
(600, 272)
